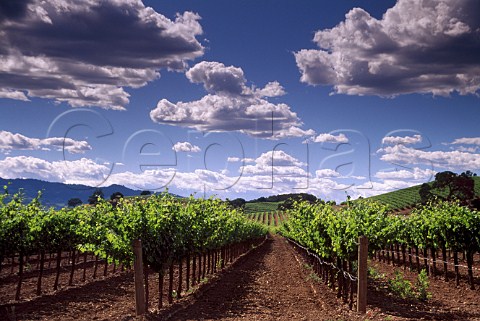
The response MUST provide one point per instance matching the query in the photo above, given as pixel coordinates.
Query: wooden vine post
(138, 272)
(362, 275)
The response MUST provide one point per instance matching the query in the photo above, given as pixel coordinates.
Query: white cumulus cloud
(328, 138)
(11, 141)
(231, 105)
(418, 46)
(278, 163)
(414, 174)
(467, 141)
(82, 171)
(326, 172)
(85, 53)
(238, 159)
(272, 173)
(445, 159)
(186, 147)
(406, 140)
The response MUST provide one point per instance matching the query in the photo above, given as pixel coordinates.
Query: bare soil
(268, 285)
(447, 302)
(271, 282)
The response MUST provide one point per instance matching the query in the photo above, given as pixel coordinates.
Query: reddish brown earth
(448, 302)
(272, 282)
(269, 285)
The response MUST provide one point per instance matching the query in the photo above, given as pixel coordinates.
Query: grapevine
(170, 228)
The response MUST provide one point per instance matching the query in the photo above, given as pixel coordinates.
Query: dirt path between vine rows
(269, 284)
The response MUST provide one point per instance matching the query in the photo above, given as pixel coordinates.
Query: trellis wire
(345, 273)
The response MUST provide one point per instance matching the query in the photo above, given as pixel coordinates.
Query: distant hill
(409, 197)
(58, 194)
(271, 203)
(282, 198)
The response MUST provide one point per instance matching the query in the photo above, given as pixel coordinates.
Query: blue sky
(240, 99)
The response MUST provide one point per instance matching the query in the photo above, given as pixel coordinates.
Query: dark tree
(73, 202)
(98, 194)
(426, 193)
(116, 195)
(237, 203)
(476, 204)
(465, 187)
(469, 174)
(445, 181)
(115, 198)
(461, 187)
(284, 197)
(452, 185)
(146, 193)
(288, 204)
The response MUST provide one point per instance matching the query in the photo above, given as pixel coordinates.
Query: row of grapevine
(438, 227)
(274, 218)
(170, 229)
(65, 268)
(404, 198)
(185, 273)
(332, 233)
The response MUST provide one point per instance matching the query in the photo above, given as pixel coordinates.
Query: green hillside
(408, 197)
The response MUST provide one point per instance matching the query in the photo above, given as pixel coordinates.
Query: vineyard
(404, 198)
(330, 237)
(260, 207)
(409, 197)
(186, 243)
(273, 219)
(195, 235)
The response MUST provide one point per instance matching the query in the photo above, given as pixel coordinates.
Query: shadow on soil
(96, 292)
(414, 309)
(12, 278)
(223, 297)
